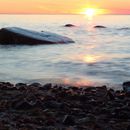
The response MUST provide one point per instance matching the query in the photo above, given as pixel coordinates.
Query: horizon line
(58, 14)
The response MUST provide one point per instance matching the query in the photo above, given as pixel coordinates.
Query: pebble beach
(57, 107)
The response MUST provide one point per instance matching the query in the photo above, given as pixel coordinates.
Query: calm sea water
(98, 55)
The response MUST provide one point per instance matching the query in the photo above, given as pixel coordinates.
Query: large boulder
(15, 35)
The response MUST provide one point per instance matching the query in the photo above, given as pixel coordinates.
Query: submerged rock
(99, 26)
(15, 35)
(125, 28)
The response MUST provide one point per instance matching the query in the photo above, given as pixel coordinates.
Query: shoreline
(68, 82)
(47, 107)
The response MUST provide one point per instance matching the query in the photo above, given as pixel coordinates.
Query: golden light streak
(91, 59)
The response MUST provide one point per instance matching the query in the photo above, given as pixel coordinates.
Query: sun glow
(90, 12)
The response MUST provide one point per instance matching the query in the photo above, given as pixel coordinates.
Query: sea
(99, 56)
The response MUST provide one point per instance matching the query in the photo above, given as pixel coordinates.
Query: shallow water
(98, 55)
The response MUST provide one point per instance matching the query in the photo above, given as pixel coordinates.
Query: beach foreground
(56, 107)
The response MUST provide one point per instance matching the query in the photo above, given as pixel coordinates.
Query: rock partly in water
(69, 25)
(99, 26)
(15, 35)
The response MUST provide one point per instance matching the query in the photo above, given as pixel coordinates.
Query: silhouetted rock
(119, 94)
(69, 25)
(126, 88)
(99, 26)
(47, 86)
(15, 35)
(21, 86)
(111, 94)
(7, 86)
(35, 85)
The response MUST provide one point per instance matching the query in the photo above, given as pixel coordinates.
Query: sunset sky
(63, 6)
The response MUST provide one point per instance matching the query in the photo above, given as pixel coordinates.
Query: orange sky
(63, 6)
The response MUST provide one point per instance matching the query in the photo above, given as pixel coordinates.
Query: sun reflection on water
(91, 59)
(77, 82)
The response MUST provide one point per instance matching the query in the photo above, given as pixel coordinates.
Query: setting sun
(90, 12)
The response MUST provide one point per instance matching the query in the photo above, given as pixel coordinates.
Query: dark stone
(23, 105)
(90, 89)
(99, 26)
(69, 25)
(35, 85)
(74, 88)
(102, 88)
(21, 86)
(111, 94)
(120, 95)
(68, 120)
(47, 86)
(126, 87)
(128, 128)
(53, 105)
(126, 83)
(15, 35)
(7, 86)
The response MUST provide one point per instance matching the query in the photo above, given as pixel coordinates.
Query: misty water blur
(97, 56)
